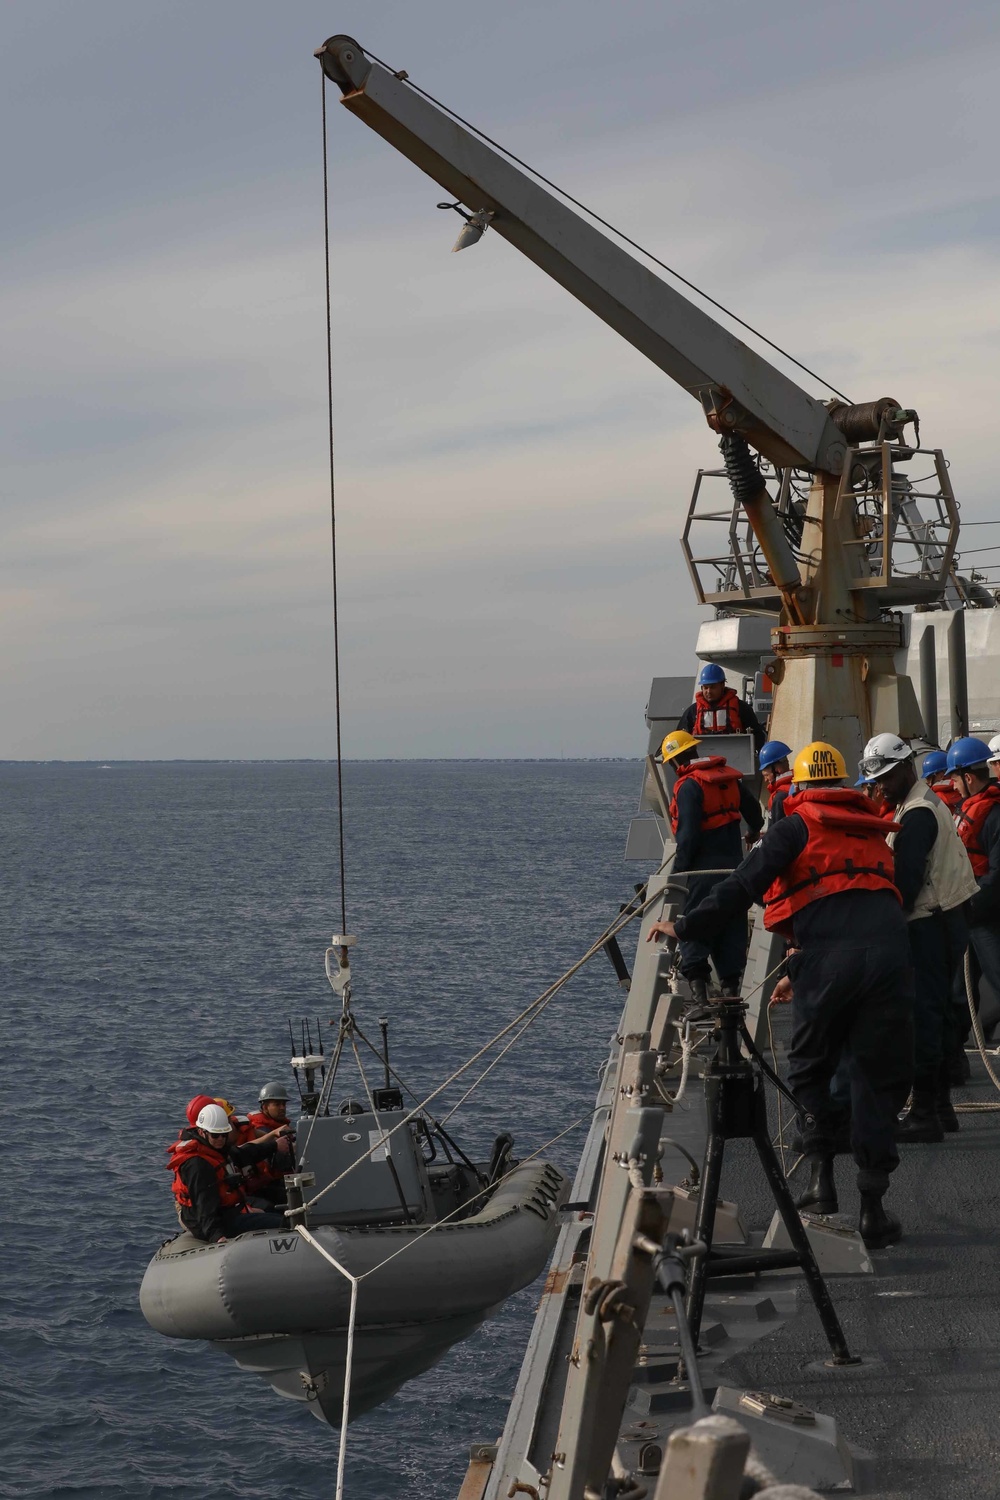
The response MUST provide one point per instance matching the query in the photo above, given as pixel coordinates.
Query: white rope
(348, 1357)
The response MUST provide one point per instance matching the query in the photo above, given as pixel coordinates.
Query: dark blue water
(158, 924)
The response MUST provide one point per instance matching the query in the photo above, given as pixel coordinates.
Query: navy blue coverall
(712, 849)
(852, 988)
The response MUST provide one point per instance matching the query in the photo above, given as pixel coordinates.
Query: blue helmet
(933, 763)
(772, 751)
(711, 672)
(968, 752)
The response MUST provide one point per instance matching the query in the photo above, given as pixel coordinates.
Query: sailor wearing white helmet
(994, 759)
(934, 880)
(211, 1203)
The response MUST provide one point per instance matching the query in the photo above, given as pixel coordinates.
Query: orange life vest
(183, 1150)
(717, 718)
(949, 794)
(263, 1173)
(242, 1130)
(969, 822)
(846, 850)
(720, 791)
(779, 784)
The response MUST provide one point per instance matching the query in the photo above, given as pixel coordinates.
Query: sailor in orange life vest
(718, 710)
(777, 777)
(824, 875)
(267, 1179)
(934, 880)
(706, 809)
(934, 770)
(978, 825)
(210, 1199)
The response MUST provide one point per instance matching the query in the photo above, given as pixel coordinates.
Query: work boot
(944, 1108)
(878, 1228)
(699, 991)
(920, 1125)
(820, 1197)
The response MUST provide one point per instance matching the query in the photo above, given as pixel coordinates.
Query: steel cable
(605, 223)
(333, 507)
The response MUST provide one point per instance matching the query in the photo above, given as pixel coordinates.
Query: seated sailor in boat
(266, 1180)
(243, 1131)
(211, 1202)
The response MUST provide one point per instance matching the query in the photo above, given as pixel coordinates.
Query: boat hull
(278, 1307)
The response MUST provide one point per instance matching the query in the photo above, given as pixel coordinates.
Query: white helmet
(214, 1119)
(994, 745)
(882, 753)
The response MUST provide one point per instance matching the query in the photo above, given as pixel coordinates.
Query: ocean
(159, 925)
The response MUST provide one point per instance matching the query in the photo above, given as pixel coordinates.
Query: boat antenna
(333, 507)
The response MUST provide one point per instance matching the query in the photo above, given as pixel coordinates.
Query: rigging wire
(333, 505)
(620, 233)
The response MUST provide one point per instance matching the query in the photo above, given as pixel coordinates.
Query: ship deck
(922, 1408)
(925, 1402)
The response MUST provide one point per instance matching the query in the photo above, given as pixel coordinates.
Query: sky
(512, 478)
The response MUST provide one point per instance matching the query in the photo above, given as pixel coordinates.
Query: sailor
(934, 880)
(934, 770)
(708, 804)
(978, 825)
(824, 876)
(195, 1107)
(243, 1131)
(777, 775)
(266, 1179)
(210, 1199)
(994, 760)
(273, 1112)
(718, 710)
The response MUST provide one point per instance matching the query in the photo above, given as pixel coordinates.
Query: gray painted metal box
(389, 1185)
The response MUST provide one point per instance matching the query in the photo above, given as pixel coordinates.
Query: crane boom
(740, 391)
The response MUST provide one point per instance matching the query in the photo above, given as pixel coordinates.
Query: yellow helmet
(819, 762)
(676, 743)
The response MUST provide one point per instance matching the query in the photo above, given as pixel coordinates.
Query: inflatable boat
(438, 1247)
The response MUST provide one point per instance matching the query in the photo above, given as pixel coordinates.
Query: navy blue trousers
(727, 950)
(234, 1222)
(857, 1001)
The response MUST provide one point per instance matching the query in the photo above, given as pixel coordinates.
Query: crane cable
(591, 213)
(333, 509)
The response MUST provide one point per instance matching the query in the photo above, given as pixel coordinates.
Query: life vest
(717, 718)
(242, 1131)
(969, 822)
(846, 850)
(949, 794)
(948, 879)
(182, 1150)
(780, 783)
(720, 791)
(263, 1173)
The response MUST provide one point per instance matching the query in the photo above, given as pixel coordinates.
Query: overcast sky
(512, 477)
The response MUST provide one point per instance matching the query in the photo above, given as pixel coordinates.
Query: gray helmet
(273, 1091)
